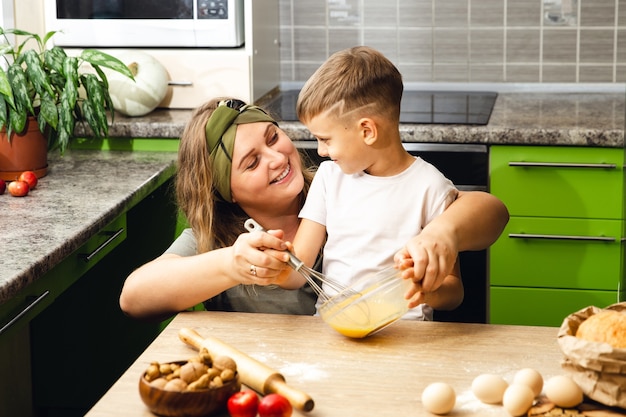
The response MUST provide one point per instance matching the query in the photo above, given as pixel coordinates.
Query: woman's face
(266, 170)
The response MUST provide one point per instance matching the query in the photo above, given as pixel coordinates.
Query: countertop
(83, 191)
(576, 119)
(382, 375)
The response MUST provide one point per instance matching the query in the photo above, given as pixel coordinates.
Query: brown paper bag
(598, 368)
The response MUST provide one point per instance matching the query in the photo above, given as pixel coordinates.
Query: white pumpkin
(139, 97)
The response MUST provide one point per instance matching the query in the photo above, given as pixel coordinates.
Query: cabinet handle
(560, 165)
(21, 314)
(562, 237)
(114, 235)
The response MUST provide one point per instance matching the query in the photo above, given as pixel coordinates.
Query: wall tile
(285, 13)
(595, 74)
(487, 13)
(621, 13)
(309, 13)
(621, 74)
(416, 13)
(523, 13)
(597, 13)
(384, 40)
(450, 72)
(559, 45)
(378, 13)
(303, 71)
(596, 45)
(558, 73)
(415, 72)
(343, 12)
(462, 40)
(309, 44)
(486, 46)
(286, 45)
(486, 73)
(451, 13)
(339, 39)
(415, 45)
(520, 73)
(522, 45)
(621, 46)
(450, 45)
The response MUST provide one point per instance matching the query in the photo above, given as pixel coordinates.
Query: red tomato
(3, 186)
(29, 177)
(275, 405)
(243, 404)
(18, 188)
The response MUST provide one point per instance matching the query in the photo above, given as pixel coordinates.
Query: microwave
(146, 23)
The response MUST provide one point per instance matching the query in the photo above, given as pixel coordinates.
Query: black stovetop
(427, 107)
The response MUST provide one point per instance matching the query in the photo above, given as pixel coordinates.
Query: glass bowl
(369, 305)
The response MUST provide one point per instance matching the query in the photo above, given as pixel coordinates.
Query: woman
(235, 163)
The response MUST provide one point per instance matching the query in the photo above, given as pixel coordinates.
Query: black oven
(466, 165)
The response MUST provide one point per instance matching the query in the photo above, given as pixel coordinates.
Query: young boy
(373, 196)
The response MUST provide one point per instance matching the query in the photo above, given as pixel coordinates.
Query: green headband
(220, 135)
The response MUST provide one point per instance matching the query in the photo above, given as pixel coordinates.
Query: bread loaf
(606, 326)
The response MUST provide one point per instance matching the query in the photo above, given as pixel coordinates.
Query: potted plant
(43, 86)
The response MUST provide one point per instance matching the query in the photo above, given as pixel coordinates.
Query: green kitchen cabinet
(562, 249)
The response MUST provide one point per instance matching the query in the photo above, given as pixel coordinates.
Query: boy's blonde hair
(351, 79)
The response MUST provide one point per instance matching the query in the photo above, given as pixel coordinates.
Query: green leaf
(3, 112)
(66, 117)
(96, 102)
(54, 59)
(70, 89)
(5, 89)
(17, 121)
(19, 83)
(48, 111)
(96, 57)
(36, 74)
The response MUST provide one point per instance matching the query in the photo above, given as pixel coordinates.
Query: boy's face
(342, 140)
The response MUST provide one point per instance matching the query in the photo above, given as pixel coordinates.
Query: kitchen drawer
(558, 253)
(543, 307)
(558, 181)
(35, 298)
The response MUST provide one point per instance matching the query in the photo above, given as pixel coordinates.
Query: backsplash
(486, 41)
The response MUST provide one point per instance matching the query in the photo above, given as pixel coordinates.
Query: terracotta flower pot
(27, 151)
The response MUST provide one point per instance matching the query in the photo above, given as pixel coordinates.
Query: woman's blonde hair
(215, 223)
(351, 79)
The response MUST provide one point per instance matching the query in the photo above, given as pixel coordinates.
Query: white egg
(489, 388)
(530, 377)
(439, 398)
(563, 391)
(518, 399)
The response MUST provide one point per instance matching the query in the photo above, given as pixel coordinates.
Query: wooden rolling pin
(252, 373)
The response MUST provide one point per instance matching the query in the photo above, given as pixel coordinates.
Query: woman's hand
(259, 257)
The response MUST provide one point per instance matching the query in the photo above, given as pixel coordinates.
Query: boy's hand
(427, 259)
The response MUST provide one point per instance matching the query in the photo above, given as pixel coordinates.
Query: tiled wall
(493, 41)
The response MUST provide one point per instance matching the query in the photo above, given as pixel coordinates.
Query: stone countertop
(83, 191)
(576, 119)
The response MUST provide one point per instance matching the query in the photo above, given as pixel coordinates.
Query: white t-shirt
(368, 219)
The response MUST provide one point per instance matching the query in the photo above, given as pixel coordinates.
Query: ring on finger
(253, 270)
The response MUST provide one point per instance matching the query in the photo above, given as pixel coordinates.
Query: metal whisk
(313, 277)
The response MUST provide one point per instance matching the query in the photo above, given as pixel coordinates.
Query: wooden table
(383, 375)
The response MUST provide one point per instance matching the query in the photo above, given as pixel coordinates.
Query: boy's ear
(369, 130)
